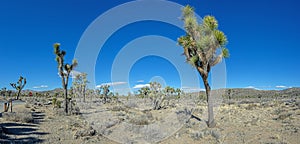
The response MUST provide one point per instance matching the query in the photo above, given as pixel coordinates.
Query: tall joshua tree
(19, 85)
(64, 70)
(204, 47)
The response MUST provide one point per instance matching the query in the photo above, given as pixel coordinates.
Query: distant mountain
(254, 93)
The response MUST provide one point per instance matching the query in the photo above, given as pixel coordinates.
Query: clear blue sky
(262, 34)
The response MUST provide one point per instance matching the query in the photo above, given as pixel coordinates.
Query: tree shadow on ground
(195, 117)
(38, 117)
(13, 132)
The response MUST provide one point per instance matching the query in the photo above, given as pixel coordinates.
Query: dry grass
(25, 117)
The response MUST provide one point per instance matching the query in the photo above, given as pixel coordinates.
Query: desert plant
(201, 44)
(19, 85)
(64, 70)
(3, 91)
(80, 85)
(156, 95)
(24, 116)
(144, 91)
(105, 92)
(179, 92)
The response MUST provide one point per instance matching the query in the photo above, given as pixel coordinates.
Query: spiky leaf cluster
(202, 40)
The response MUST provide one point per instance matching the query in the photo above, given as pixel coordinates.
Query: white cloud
(73, 73)
(281, 87)
(141, 86)
(41, 86)
(192, 89)
(111, 84)
(252, 87)
(140, 81)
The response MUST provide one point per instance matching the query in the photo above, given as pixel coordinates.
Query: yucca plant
(200, 45)
(64, 70)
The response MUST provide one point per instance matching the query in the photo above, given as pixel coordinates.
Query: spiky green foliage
(144, 91)
(201, 44)
(19, 85)
(64, 70)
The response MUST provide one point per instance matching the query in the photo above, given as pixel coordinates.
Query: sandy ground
(134, 122)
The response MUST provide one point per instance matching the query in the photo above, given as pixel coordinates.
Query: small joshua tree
(156, 95)
(178, 91)
(19, 85)
(105, 90)
(64, 70)
(3, 91)
(144, 91)
(201, 44)
(80, 85)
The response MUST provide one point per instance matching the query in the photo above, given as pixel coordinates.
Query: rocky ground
(133, 121)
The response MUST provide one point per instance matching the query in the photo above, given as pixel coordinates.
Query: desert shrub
(58, 104)
(75, 111)
(200, 134)
(59, 112)
(139, 120)
(143, 119)
(118, 108)
(131, 104)
(283, 116)
(251, 106)
(197, 135)
(85, 132)
(54, 101)
(25, 117)
(27, 105)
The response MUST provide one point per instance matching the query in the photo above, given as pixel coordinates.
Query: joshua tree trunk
(83, 94)
(210, 122)
(66, 100)
(19, 92)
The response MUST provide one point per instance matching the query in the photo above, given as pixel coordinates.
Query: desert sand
(133, 121)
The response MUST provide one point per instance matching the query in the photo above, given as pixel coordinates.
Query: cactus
(64, 70)
(19, 85)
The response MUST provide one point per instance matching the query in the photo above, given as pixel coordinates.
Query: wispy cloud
(41, 86)
(141, 86)
(192, 89)
(140, 81)
(111, 84)
(282, 87)
(252, 87)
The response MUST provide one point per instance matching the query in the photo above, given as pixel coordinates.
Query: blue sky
(262, 36)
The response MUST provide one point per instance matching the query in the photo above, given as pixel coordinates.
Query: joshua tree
(19, 85)
(144, 91)
(3, 91)
(169, 91)
(80, 84)
(178, 91)
(64, 70)
(201, 45)
(105, 90)
(156, 95)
